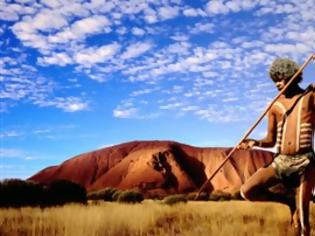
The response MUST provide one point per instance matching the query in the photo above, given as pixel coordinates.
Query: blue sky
(81, 75)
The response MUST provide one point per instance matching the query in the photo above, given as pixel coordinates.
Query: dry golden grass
(151, 218)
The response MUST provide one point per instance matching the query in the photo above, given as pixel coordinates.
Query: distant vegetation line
(21, 193)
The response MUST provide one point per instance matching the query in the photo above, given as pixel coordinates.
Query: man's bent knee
(244, 193)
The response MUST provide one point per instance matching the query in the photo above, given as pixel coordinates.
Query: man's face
(280, 83)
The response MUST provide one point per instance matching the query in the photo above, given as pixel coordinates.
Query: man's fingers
(243, 145)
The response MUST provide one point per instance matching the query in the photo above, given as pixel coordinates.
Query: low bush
(117, 194)
(203, 196)
(103, 194)
(60, 192)
(130, 197)
(219, 195)
(17, 193)
(173, 199)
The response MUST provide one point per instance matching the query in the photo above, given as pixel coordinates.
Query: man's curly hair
(284, 68)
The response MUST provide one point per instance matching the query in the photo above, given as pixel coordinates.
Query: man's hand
(247, 144)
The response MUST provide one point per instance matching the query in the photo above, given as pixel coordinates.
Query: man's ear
(311, 87)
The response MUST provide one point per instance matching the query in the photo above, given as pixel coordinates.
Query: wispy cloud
(168, 12)
(136, 49)
(10, 134)
(68, 104)
(125, 112)
(193, 12)
(96, 55)
(11, 153)
(82, 28)
(138, 31)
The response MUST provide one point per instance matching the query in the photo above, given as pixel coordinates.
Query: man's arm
(269, 140)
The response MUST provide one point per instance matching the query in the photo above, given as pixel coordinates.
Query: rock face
(159, 167)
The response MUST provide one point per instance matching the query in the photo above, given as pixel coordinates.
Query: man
(291, 124)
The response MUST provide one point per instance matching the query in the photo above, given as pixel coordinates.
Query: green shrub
(173, 199)
(130, 197)
(219, 195)
(203, 196)
(60, 192)
(117, 194)
(18, 193)
(105, 194)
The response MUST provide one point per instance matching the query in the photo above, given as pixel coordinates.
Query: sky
(76, 76)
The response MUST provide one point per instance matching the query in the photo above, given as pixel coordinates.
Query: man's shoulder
(277, 106)
(311, 89)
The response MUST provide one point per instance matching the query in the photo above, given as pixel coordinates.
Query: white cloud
(60, 59)
(172, 106)
(132, 7)
(306, 36)
(189, 108)
(92, 55)
(125, 113)
(75, 106)
(181, 48)
(150, 15)
(89, 25)
(52, 3)
(281, 49)
(136, 49)
(234, 6)
(180, 37)
(47, 20)
(28, 29)
(81, 29)
(230, 99)
(10, 134)
(97, 6)
(137, 31)
(216, 7)
(219, 7)
(143, 91)
(12, 11)
(1, 30)
(121, 30)
(28, 35)
(202, 27)
(168, 12)
(223, 114)
(193, 12)
(41, 131)
(11, 153)
(67, 104)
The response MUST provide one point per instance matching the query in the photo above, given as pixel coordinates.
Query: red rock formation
(157, 166)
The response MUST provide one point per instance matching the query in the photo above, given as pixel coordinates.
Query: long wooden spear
(311, 57)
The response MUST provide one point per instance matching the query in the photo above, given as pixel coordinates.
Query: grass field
(151, 218)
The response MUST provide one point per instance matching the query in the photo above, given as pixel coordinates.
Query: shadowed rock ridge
(161, 167)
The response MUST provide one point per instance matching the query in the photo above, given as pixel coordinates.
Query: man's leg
(256, 187)
(303, 196)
